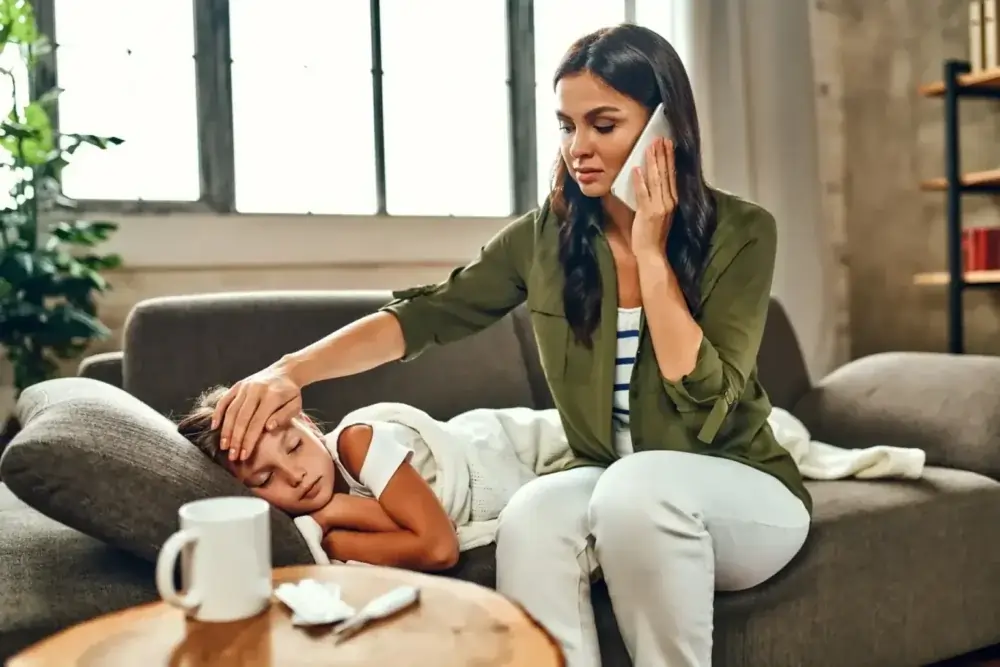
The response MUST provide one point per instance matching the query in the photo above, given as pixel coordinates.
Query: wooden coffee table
(455, 624)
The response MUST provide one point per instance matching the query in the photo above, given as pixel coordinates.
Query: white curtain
(751, 65)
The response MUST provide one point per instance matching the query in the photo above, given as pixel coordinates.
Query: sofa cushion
(905, 571)
(54, 576)
(98, 460)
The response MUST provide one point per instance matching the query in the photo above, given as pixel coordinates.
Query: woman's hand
(269, 398)
(656, 198)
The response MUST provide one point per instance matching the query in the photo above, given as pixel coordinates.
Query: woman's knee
(550, 506)
(637, 490)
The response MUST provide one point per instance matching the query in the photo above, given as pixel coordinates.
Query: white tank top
(625, 351)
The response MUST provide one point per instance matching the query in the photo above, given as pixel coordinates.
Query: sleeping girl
(391, 485)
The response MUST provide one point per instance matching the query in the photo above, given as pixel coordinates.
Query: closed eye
(261, 481)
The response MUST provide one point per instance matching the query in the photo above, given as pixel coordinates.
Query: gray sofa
(894, 574)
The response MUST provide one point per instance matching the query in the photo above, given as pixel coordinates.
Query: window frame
(214, 94)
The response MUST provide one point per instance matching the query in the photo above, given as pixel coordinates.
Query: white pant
(665, 529)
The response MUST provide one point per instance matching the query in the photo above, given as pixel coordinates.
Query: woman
(648, 326)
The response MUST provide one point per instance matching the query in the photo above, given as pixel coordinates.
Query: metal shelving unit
(958, 83)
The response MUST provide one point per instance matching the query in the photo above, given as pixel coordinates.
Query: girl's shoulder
(368, 454)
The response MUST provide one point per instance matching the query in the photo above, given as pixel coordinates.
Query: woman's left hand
(656, 198)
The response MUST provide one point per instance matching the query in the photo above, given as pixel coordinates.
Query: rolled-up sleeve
(473, 296)
(732, 320)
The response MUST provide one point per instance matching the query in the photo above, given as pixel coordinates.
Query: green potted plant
(50, 270)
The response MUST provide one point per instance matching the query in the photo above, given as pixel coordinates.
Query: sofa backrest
(176, 347)
(780, 364)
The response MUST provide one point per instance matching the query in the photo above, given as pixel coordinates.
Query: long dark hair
(641, 64)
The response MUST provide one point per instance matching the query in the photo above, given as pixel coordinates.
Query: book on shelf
(977, 36)
(981, 249)
(991, 33)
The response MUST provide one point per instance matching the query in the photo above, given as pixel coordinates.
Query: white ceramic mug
(225, 549)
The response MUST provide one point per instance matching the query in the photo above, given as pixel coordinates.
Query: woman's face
(599, 126)
(290, 468)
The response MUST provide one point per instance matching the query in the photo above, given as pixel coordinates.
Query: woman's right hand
(269, 399)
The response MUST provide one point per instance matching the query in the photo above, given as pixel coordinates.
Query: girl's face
(290, 468)
(599, 126)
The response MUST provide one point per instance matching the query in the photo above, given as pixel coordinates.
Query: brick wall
(878, 140)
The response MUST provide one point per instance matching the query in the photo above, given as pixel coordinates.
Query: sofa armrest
(947, 405)
(104, 366)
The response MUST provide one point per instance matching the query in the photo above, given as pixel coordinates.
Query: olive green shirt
(719, 409)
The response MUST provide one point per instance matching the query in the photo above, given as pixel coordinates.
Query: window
(447, 135)
(128, 70)
(352, 107)
(444, 91)
(303, 137)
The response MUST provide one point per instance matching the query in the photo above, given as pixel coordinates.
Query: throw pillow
(99, 460)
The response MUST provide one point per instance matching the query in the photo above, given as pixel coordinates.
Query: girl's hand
(347, 512)
(656, 198)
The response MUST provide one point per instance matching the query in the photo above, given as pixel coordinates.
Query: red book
(979, 248)
(992, 248)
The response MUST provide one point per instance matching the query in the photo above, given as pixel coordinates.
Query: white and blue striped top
(625, 351)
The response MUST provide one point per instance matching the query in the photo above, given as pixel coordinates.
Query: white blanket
(475, 461)
(820, 461)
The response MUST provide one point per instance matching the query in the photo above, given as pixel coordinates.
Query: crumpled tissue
(314, 603)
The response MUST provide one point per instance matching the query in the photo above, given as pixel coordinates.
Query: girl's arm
(347, 512)
(425, 538)
(402, 549)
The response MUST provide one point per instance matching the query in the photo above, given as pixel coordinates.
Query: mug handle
(165, 564)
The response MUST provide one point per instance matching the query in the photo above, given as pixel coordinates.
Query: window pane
(302, 107)
(11, 61)
(447, 128)
(131, 77)
(558, 23)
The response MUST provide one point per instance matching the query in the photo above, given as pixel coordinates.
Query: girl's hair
(641, 64)
(196, 426)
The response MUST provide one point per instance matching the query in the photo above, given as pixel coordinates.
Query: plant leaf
(78, 324)
(33, 140)
(18, 20)
(77, 140)
(86, 233)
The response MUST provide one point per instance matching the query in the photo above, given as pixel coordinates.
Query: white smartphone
(656, 128)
